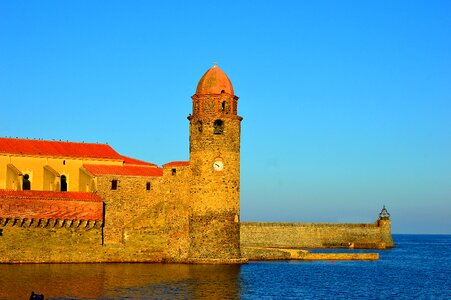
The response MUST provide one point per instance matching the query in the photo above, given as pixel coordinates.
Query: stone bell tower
(215, 164)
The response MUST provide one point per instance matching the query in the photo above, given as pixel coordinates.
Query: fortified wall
(317, 235)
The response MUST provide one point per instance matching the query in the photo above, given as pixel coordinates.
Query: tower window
(218, 127)
(147, 186)
(173, 172)
(26, 183)
(114, 184)
(225, 108)
(63, 183)
(199, 126)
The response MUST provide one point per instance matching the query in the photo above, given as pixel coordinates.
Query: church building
(131, 209)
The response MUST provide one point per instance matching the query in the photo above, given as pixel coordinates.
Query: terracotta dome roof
(214, 81)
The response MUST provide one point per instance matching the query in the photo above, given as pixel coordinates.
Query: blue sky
(346, 104)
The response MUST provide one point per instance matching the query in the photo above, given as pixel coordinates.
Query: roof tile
(176, 163)
(48, 195)
(57, 148)
(123, 170)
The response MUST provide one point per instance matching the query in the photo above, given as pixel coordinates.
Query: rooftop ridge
(176, 163)
(55, 148)
(49, 195)
(52, 140)
(134, 170)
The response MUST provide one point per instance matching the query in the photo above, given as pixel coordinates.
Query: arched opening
(218, 126)
(225, 107)
(63, 183)
(26, 183)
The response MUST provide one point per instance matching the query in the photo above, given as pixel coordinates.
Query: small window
(174, 171)
(26, 183)
(218, 127)
(147, 186)
(199, 126)
(114, 184)
(63, 183)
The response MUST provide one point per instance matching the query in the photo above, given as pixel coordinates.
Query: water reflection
(162, 281)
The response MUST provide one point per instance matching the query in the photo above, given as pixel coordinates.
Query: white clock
(218, 166)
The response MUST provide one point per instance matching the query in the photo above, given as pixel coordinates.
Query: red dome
(214, 81)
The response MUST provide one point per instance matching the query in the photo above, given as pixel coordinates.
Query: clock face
(218, 166)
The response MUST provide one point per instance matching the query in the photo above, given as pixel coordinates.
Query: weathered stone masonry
(82, 202)
(317, 235)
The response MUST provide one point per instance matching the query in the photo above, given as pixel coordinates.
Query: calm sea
(419, 267)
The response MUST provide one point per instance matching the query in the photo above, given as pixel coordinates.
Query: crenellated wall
(45, 240)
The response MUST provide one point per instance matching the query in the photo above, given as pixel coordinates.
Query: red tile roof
(123, 170)
(176, 163)
(134, 161)
(57, 148)
(50, 205)
(48, 195)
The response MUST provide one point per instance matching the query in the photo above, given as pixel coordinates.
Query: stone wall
(316, 235)
(154, 221)
(53, 241)
(71, 242)
(214, 194)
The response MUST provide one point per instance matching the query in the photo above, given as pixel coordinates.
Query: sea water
(419, 267)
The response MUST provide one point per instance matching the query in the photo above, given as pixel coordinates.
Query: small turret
(384, 224)
(384, 215)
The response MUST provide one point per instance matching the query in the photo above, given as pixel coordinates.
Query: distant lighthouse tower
(215, 164)
(385, 224)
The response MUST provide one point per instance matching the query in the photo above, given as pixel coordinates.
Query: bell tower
(215, 165)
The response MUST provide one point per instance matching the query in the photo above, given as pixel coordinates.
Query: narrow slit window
(147, 186)
(174, 171)
(114, 184)
(63, 183)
